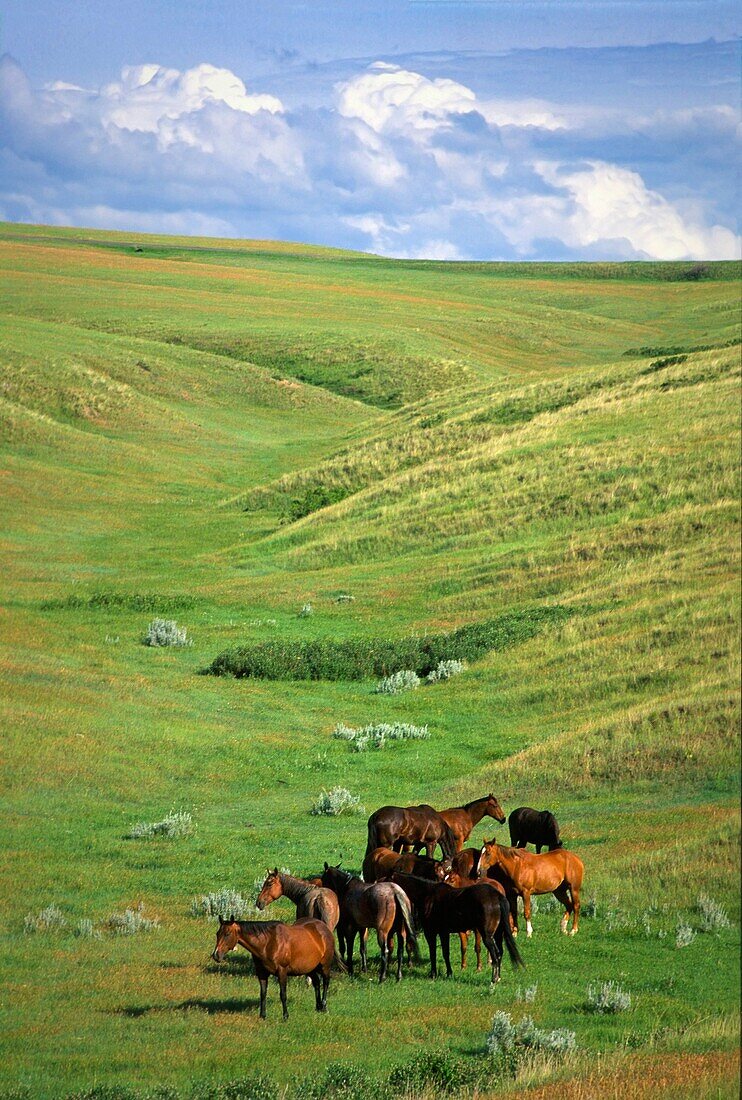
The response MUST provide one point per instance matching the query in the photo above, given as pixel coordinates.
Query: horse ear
(221, 919)
(231, 919)
(274, 871)
(327, 866)
(338, 863)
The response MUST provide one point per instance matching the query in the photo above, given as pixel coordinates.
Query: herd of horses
(402, 890)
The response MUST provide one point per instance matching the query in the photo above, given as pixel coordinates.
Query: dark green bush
(438, 1070)
(136, 601)
(314, 498)
(362, 658)
(341, 1081)
(255, 1086)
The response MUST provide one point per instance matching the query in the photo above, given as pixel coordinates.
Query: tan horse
(310, 900)
(306, 947)
(559, 873)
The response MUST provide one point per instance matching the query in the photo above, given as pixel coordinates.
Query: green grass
(161, 413)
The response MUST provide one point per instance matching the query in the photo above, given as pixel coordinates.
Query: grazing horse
(559, 873)
(443, 910)
(462, 819)
(395, 826)
(379, 865)
(459, 882)
(538, 827)
(363, 905)
(306, 947)
(310, 900)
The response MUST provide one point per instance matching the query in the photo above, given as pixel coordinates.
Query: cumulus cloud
(396, 162)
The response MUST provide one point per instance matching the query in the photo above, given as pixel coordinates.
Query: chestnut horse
(462, 819)
(363, 905)
(395, 826)
(306, 947)
(379, 864)
(310, 900)
(443, 910)
(559, 873)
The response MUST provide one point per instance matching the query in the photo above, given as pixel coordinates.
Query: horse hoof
(574, 931)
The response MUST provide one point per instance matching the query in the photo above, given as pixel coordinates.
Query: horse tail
(405, 911)
(507, 934)
(373, 838)
(338, 961)
(448, 843)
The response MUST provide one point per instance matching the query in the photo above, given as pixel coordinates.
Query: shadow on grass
(211, 1008)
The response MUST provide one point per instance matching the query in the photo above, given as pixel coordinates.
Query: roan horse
(559, 873)
(363, 905)
(395, 826)
(310, 900)
(538, 827)
(443, 910)
(306, 947)
(379, 865)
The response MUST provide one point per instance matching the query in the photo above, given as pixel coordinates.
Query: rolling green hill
(225, 432)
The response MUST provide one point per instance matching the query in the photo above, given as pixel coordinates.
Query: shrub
(526, 995)
(51, 919)
(361, 658)
(712, 916)
(345, 597)
(256, 1086)
(436, 1071)
(175, 824)
(339, 800)
(444, 670)
(132, 921)
(223, 903)
(306, 611)
(406, 680)
(165, 632)
(86, 930)
(684, 934)
(339, 1081)
(137, 601)
(104, 1092)
(507, 1038)
(606, 998)
(378, 735)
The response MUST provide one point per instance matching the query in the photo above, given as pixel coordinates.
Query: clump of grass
(377, 736)
(607, 998)
(527, 995)
(684, 934)
(175, 824)
(132, 921)
(166, 632)
(337, 801)
(524, 1037)
(257, 1086)
(345, 597)
(338, 1081)
(306, 611)
(712, 916)
(135, 601)
(444, 670)
(86, 930)
(223, 903)
(51, 919)
(404, 680)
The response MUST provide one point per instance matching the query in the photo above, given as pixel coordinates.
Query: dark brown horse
(395, 826)
(459, 881)
(462, 819)
(443, 910)
(310, 900)
(538, 827)
(559, 873)
(363, 905)
(306, 947)
(379, 865)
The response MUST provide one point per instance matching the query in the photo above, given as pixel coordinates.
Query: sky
(443, 129)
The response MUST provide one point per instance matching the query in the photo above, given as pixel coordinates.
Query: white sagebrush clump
(406, 680)
(444, 670)
(166, 632)
(712, 916)
(607, 998)
(132, 921)
(175, 824)
(86, 930)
(684, 934)
(526, 995)
(306, 611)
(377, 735)
(506, 1036)
(223, 903)
(339, 800)
(51, 919)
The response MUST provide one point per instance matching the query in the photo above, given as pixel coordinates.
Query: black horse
(443, 909)
(538, 827)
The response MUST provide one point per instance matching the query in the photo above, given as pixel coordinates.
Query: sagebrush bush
(345, 597)
(175, 824)
(527, 995)
(339, 800)
(508, 1038)
(51, 919)
(223, 903)
(607, 998)
(132, 921)
(712, 916)
(306, 611)
(684, 934)
(444, 670)
(362, 658)
(86, 930)
(377, 735)
(404, 680)
(166, 632)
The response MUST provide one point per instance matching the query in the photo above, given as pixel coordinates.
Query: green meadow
(222, 433)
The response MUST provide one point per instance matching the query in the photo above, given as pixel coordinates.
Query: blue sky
(453, 129)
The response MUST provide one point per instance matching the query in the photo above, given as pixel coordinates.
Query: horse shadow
(210, 1007)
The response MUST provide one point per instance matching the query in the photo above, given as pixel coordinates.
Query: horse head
(488, 857)
(227, 935)
(494, 809)
(270, 890)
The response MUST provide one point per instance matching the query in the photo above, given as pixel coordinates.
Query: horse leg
(325, 986)
(314, 976)
(401, 941)
(363, 947)
(263, 994)
(495, 956)
(513, 903)
(431, 939)
(478, 949)
(562, 895)
(463, 940)
(350, 935)
(384, 948)
(527, 912)
(446, 949)
(575, 910)
(282, 983)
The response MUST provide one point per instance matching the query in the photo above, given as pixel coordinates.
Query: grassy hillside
(224, 432)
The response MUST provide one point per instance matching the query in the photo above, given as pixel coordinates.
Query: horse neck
(252, 934)
(476, 810)
(503, 858)
(294, 888)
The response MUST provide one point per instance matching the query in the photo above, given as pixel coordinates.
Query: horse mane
(257, 927)
(299, 887)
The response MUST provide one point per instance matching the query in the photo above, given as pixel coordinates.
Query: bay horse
(310, 900)
(443, 910)
(459, 881)
(364, 905)
(395, 826)
(559, 873)
(379, 865)
(306, 947)
(538, 827)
